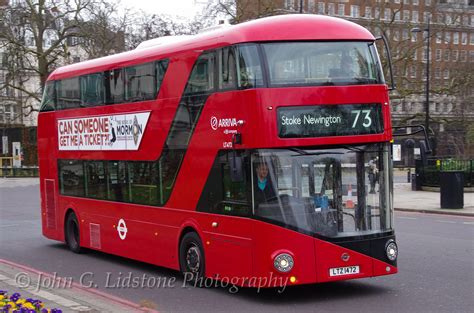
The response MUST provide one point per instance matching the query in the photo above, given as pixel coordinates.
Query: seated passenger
(263, 187)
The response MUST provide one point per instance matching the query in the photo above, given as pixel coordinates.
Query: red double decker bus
(261, 150)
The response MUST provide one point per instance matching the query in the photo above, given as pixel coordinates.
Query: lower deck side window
(121, 181)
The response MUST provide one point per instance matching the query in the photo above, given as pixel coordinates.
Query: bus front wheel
(191, 258)
(72, 233)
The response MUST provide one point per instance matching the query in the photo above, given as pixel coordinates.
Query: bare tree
(33, 38)
(103, 31)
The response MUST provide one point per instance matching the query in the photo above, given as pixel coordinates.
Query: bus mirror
(389, 61)
(236, 173)
(423, 152)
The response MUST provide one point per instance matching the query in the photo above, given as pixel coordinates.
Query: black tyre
(191, 258)
(72, 233)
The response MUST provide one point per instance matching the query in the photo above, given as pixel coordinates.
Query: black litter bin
(452, 190)
(415, 182)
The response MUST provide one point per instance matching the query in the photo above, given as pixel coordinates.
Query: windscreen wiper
(304, 152)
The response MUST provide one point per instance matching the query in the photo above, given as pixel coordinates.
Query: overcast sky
(184, 8)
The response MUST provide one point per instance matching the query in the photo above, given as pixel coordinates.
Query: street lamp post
(427, 88)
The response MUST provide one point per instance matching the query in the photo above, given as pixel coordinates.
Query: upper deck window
(322, 63)
(114, 81)
(202, 76)
(227, 69)
(68, 95)
(92, 89)
(249, 68)
(49, 97)
(140, 82)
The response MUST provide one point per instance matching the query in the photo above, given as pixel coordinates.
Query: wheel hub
(193, 259)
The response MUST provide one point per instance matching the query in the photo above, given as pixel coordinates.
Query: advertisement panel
(102, 132)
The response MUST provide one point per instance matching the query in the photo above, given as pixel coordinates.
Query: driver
(263, 188)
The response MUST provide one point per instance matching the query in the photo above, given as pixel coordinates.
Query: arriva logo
(223, 122)
(214, 123)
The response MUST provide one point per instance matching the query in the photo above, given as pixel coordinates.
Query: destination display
(329, 120)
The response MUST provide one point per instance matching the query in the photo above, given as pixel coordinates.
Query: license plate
(348, 270)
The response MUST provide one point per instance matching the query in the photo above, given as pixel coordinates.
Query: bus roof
(275, 28)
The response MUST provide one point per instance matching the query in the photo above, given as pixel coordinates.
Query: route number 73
(367, 121)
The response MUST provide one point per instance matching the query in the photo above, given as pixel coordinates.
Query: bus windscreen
(322, 63)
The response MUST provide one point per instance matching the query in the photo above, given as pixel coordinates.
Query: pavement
(70, 296)
(60, 292)
(427, 201)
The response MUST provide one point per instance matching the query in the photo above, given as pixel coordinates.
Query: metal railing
(19, 172)
(429, 174)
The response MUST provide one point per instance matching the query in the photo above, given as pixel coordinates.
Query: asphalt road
(436, 265)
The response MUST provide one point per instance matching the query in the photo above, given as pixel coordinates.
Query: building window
(321, 8)
(397, 15)
(464, 38)
(415, 55)
(439, 18)
(289, 4)
(446, 73)
(311, 6)
(463, 55)
(447, 37)
(449, 19)
(414, 37)
(396, 35)
(426, 16)
(377, 13)
(406, 15)
(388, 14)
(472, 39)
(405, 34)
(446, 54)
(341, 8)
(406, 1)
(471, 56)
(414, 16)
(425, 54)
(439, 37)
(437, 73)
(355, 11)
(456, 38)
(455, 55)
(368, 12)
(438, 54)
(415, 2)
(413, 71)
(427, 2)
(331, 9)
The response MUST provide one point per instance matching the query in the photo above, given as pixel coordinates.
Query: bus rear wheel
(72, 233)
(191, 258)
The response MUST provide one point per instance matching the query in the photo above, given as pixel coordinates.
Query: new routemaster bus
(261, 150)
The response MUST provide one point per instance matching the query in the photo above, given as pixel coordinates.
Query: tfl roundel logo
(214, 123)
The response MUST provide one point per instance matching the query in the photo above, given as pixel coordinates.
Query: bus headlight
(283, 262)
(391, 250)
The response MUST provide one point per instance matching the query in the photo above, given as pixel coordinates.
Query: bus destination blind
(329, 120)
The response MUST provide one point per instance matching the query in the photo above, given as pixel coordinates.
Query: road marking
(407, 218)
(468, 223)
(448, 222)
(10, 225)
